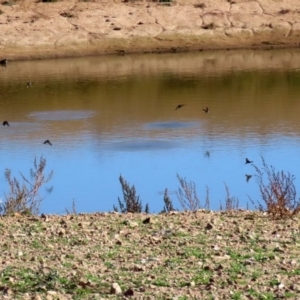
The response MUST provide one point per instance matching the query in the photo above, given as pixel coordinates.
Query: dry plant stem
(231, 203)
(73, 211)
(278, 194)
(168, 203)
(187, 195)
(24, 196)
(131, 202)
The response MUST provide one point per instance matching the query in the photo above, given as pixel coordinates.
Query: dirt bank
(31, 29)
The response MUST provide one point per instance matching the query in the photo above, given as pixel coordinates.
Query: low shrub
(24, 197)
(278, 192)
(131, 202)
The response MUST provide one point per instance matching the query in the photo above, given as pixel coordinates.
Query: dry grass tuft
(187, 195)
(24, 197)
(231, 203)
(278, 194)
(131, 202)
(168, 203)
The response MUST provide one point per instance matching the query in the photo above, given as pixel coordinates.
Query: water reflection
(107, 116)
(64, 115)
(170, 125)
(142, 145)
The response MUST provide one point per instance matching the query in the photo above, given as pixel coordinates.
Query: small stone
(147, 220)
(209, 226)
(115, 289)
(281, 286)
(129, 293)
(52, 293)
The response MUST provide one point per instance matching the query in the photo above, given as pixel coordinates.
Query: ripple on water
(142, 145)
(171, 125)
(61, 115)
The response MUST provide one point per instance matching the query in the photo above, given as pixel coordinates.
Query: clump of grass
(278, 193)
(168, 203)
(231, 203)
(73, 210)
(24, 197)
(187, 195)
(131, 202)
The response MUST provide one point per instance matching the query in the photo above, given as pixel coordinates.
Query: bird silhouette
(29, 84)
(248, 161)
(179, 106)
(248, 177)
(205, 109)
(3, 62)
(48, 142)
(5, 123)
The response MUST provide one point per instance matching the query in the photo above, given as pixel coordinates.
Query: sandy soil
(35, 29)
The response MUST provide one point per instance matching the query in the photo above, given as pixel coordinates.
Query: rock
(129, 293)
(115, 289)
(147, 220)
(209, 226)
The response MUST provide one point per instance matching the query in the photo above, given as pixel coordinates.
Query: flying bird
(179, 106)
(3, 62)
(248, 161)
(205, 109)
(5, 123)
(248, 177)
(207, 154)
(47, 142)
(29, 84)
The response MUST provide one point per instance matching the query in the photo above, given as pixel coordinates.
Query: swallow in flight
(48, 142)
(179, 106)
(248, 177)
(5, 123)
(249, 161)
(3, 62)
(205, 110)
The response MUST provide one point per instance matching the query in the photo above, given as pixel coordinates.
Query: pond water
(115, 115)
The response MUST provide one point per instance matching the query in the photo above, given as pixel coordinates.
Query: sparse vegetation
(24, 196)
(131, 202)
(231, 203)
(168, 203)
(73, 210)
(187, 195)
(278, 192)
(178, 255)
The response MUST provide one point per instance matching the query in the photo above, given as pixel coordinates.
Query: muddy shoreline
(72, 28)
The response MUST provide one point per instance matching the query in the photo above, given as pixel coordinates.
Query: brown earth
(190, 255)
(34, 29)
